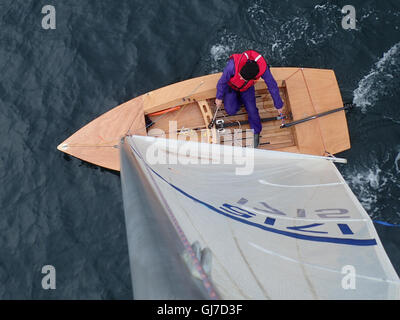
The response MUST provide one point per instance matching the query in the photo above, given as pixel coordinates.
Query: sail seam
(300, 186)
(316, 266)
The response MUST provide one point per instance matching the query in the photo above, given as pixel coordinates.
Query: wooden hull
(305, 92)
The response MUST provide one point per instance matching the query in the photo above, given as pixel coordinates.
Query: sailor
(236, 87)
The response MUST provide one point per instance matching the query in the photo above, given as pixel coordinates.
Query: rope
(158, 113)
(181, 106)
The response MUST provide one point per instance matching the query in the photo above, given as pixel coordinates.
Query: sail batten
(294, 237)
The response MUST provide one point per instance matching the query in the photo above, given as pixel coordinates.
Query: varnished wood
(305, 92)
(312, 91)
(207, 114)
(308, 135)
(98, 141)
(326, 96)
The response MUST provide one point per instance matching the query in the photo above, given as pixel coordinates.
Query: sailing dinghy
(190, 104)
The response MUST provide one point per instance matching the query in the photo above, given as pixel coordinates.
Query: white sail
(291, 229)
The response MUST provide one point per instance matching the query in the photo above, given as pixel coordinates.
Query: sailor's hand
(282, 115)
(218, 102)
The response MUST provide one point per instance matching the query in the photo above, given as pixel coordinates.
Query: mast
(161, 260)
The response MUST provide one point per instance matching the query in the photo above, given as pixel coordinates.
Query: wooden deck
(98, 141)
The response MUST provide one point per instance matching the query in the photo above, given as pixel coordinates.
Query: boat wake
(366, 185)
(397, 162)
(219, 55)
(375, 184)
(380, 81)
(277, 37)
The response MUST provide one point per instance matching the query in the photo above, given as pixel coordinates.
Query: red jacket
(240, 60)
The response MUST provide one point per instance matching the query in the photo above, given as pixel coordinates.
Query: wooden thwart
(207, 117)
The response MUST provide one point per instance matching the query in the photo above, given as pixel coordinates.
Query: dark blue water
(60, 211)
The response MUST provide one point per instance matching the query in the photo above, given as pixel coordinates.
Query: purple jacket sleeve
(228, 73)
(273, 88)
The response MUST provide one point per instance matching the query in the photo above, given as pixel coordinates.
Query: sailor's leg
(231, 101)
(249, 100)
